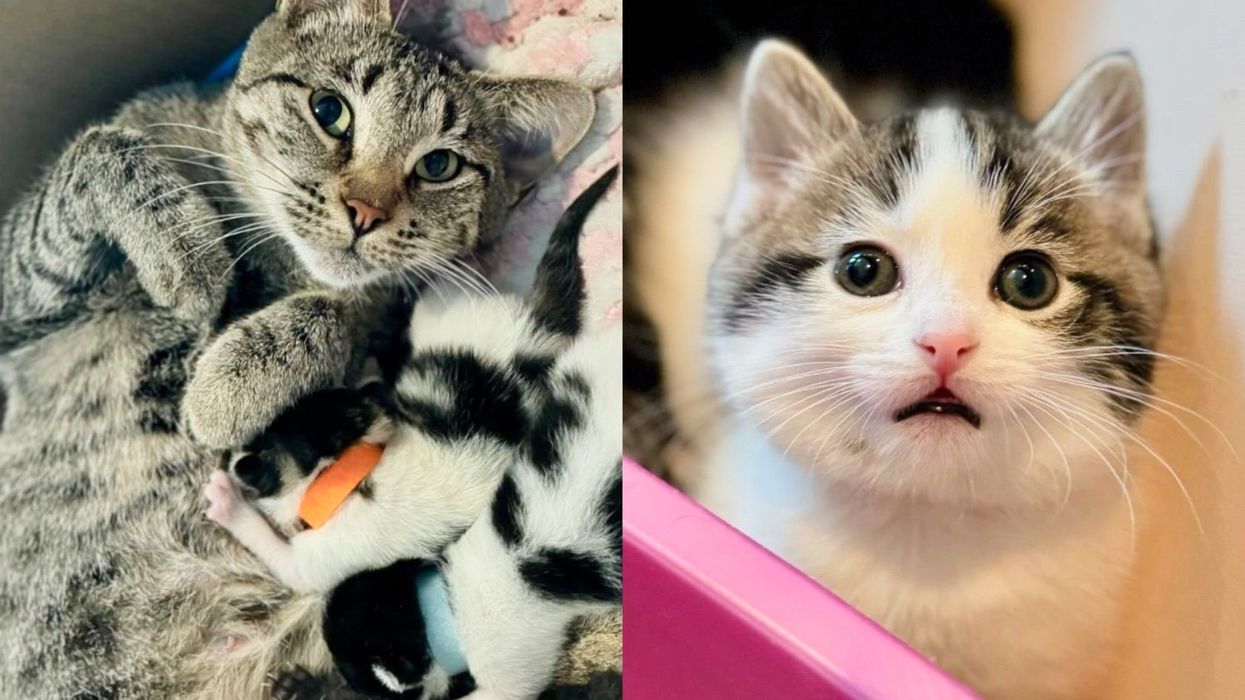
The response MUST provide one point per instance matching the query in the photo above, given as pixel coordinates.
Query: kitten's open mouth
(943, 403)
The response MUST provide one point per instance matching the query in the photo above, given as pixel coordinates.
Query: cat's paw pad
(224, 501)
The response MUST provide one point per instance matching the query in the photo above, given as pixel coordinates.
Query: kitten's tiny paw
(223, 499)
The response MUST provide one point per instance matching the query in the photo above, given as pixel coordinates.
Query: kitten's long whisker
(249, 247)
(239, 161)
(223, 136)
(1145, 446)
(1149, 401)
(400, 14)
(1119, 479)
(488, 288)
(1067, 467)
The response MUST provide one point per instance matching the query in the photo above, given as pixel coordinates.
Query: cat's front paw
(225, 503)
(263, 364)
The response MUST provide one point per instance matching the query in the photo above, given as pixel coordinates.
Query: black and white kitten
(500, 402)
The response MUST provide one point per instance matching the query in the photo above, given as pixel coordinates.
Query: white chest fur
(1018, 604)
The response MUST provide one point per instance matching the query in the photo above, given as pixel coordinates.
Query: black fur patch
(533, 368)
(555, 417)
(449, 116)
(278, 78)
(259, 474)
(461, 685)
(610, 509)
(774, 272)
(373, 73)
(321, 425)
(884, 180)
(507, 511)
(563, 574)
(15, 333)
(162, 375)
(1116, 323)
(158, 420)
(373, 618)
(487, 399)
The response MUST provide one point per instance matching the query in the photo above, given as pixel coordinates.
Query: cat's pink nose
(363, 216)
(946, 353)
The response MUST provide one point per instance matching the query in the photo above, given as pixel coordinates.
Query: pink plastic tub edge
(709, 614)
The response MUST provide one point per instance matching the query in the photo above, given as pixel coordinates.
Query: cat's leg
(109, 198)
(230, 510)
(261, 365)
(358, 537)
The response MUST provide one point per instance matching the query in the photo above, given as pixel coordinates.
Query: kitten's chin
(336, 268)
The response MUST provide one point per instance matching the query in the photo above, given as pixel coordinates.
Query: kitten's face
(373, 155)
(951, 305)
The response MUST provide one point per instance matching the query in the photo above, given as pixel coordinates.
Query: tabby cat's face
(373, 155)
(952, 305)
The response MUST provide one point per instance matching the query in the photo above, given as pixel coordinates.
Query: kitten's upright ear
(377, 10)
(557, 298)
(1101, 120)
(790, 112)
(540, 121)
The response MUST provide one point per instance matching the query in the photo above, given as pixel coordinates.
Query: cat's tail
(557, 298)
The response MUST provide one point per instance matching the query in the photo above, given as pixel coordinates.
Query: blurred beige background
(66, 62)
(1186, 624)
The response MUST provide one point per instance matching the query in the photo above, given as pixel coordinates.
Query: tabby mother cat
(341, 160)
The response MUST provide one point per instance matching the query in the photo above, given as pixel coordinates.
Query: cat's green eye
(332, 113)
(438, 166)
(1026, 280)
(866, 271)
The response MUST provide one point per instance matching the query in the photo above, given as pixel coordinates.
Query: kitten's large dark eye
(866, 271)
(1027, 281)
(438, 166)
(332, 113)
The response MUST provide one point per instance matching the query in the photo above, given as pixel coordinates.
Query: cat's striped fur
(188, 208)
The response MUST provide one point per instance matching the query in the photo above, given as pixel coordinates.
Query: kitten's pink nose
(947, 352)
(364, 216)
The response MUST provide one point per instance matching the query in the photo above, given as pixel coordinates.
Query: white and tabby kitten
(500, 402)
(930, 335)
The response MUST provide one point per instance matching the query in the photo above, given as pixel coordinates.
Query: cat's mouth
(941, 402)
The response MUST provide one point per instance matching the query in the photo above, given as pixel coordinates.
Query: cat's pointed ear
(377, 10)
(789, 111)
(1100, 120)
(539, 121)
(557, 298)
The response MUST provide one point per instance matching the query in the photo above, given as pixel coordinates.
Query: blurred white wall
(1186, 621)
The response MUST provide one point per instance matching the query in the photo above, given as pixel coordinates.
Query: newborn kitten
(928, 337)
(498, 401)
(342, 155)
